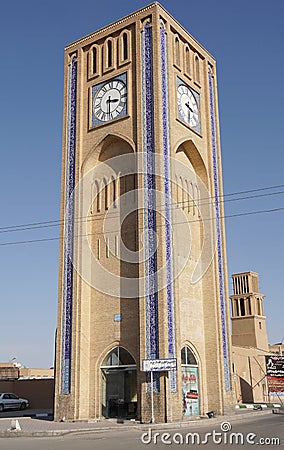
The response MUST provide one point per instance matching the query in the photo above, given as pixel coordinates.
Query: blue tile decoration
(151, 287)
(219, 235)
(168, 203)
(68, 230)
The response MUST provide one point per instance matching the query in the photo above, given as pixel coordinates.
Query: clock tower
(142, 269)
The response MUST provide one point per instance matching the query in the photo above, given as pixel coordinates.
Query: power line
(30, 241)
(56, 223)
(264, 211)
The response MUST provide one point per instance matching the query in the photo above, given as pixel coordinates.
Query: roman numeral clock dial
(109, 101)
(188, 106)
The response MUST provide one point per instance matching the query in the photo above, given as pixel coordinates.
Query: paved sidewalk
(40, 427)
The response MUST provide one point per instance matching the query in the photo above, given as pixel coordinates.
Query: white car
(12, 401)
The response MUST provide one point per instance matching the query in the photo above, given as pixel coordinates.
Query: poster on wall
(275, 375)
(190, 394)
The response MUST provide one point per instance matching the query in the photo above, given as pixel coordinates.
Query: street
(266, 430)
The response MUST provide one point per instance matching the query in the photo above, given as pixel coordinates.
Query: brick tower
(142, 270)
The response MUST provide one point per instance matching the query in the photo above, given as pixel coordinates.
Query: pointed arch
(110, 146)
(193, 155)
(118, 383)
(118, 356)
(188, 356)
(190, 381)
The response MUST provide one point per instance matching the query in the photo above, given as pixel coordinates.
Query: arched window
(190, 384)
(119, 356)
(187, 357)
(197, 69)
(125, 46)
(113, 191)
(177, 51)
(108, 54)
(94, 60)
(97, 196)
(187, 60)
(119, 384)
(186, 195)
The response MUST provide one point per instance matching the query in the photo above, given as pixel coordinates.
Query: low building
(15, 370)
(8, 371)
(249, 341)
(277, 349)
(34, 384)
(36, 373)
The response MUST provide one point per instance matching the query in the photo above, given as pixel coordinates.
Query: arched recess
(190, 382)
(189, 165)
(112, 228)
(103, 159)
(193, 155)
(110, 146)
(119, 384)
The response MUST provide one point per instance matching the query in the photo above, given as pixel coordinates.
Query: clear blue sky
(246, 37)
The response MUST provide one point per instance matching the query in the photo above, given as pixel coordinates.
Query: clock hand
(187, 104)
(108, 104)
(190, 110)
(109, 101)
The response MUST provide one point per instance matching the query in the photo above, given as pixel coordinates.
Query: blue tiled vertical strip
(69, 230)
(219, 236)
(168, 203)
(152, 337)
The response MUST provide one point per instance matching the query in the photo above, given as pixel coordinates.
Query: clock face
(110, 100)
(188, 106)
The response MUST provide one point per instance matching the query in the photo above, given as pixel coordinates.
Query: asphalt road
(266, 431)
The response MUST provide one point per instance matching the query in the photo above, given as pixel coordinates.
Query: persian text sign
(275, 374)
(159, 365)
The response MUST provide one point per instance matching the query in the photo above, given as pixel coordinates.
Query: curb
(258, 406)
(122, 427)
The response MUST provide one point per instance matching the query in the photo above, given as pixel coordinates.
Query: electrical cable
(56, 223)
(176, 223)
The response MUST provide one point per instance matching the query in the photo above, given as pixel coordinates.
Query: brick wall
(39, 392)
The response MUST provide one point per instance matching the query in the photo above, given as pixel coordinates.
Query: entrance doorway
(190, 388)
(119, 384)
